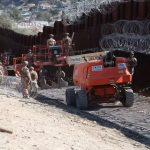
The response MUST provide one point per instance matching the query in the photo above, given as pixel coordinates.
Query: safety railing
(42, 58)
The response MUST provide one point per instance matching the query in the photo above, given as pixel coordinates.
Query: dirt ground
(135, 118)
(37, 126)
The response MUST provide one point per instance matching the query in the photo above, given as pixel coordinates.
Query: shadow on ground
(85, 114)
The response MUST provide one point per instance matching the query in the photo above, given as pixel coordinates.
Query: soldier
(4, 59)
(1, 72)
(60, 74)
(25, 79)
(30, 58)
(131, 62)
(17, 74)
(34, 75)
(109, 59)
(42, 80)
(67, 43)
(34, 81)
(51, 41)
(1, 68)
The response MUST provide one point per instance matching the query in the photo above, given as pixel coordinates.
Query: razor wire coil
(126, 35)
(127, 27)
(126, 42)
(135, 27)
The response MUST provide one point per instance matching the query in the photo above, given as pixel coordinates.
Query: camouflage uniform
(67, 43)
(30, 58)
(42, 79)
(60, 74)
(132, 62)
(34, 75)
(34, 81)
(109, 59)
(51, 41)
(4, 59)
(25, 79)
(1, 73)
(17, 74)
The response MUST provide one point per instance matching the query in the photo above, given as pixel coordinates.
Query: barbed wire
(126, 42)
(126, 35)
(118, 26)
(127, 27)
(135, 27)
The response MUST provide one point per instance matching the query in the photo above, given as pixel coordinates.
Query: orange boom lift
(101, 81)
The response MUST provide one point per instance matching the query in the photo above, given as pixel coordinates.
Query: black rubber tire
(81, 100)
(70, 97)
(128, 97)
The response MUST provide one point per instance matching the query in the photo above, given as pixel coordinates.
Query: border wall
(87, 34)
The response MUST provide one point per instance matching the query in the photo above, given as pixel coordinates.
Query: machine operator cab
(56, 50)
(109, 59)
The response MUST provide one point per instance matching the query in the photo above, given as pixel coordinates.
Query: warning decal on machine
(97, 68)
(122, 66)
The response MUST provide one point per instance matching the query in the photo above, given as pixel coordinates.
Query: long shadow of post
(93, 117)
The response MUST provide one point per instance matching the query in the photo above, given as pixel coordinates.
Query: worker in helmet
(30, 58)
(60, 75)
(42, 77)
(4, 59)
(1, 67)
(51, 41)
(34, 75)
(67, 44)
(131, 62)
(1, 72)
(34, 81)
(25, 79)
(17, 74)
(109, 59)
(29, 52)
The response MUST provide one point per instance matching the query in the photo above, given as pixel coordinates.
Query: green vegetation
(15, 14)
(44, 16)
(54, 12)
(18, 11)
(5, 21)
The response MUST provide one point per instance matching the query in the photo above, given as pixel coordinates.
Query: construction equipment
(101, 81)
(50, 58)
(42, 56)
